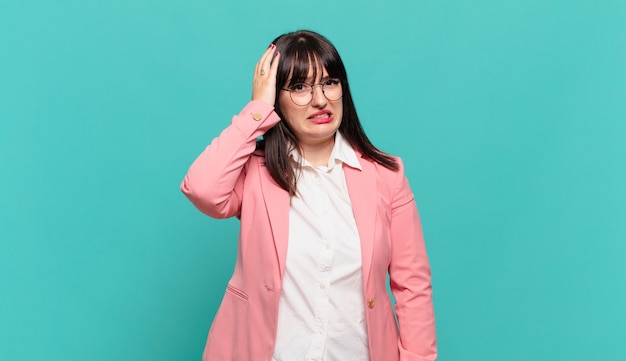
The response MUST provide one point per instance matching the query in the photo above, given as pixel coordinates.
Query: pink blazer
(230, 179)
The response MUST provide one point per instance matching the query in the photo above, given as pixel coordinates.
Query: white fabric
(321, 314)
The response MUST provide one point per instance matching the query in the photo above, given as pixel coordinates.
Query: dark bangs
(302, 50)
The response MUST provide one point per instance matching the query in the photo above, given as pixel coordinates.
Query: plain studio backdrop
(510, 117)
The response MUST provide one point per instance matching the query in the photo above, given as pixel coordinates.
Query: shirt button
(327, 246)
(257, 116)
(322, 286)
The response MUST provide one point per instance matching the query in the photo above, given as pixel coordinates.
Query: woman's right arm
(214, 182)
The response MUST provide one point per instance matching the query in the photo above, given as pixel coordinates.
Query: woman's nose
(318, 95)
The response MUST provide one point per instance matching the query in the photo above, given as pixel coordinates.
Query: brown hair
(299, 51)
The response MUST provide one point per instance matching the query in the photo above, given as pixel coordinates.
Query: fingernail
(271, 46)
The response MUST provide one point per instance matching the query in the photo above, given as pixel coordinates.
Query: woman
(325, 216)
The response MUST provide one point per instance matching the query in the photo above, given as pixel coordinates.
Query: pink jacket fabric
(230, 179)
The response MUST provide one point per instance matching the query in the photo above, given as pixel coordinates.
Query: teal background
(510, 116)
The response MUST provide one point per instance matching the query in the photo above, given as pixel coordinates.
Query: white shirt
(321, 312)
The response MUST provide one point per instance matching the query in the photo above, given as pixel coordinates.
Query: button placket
(324, 257)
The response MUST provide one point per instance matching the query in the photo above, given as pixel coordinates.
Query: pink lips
(321, 117)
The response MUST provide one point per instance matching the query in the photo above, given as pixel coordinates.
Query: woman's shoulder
(383, 169)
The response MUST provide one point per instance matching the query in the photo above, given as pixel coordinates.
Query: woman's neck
(317, 153)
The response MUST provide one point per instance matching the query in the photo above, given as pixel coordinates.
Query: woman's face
(316, 122)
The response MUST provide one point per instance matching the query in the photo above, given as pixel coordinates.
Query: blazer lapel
(277, 207)
(362, 190)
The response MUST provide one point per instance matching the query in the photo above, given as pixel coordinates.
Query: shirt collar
(342, 153)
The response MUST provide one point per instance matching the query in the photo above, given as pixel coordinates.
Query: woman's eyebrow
(309, 79)
(325, 77)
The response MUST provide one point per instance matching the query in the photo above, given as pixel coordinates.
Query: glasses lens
(301, 98)
(300, 93)
(332, 89)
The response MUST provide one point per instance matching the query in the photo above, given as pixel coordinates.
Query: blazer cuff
(255, 119)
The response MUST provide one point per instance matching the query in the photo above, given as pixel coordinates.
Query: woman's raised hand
(264, 82)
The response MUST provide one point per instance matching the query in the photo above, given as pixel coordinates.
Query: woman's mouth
(322, 117)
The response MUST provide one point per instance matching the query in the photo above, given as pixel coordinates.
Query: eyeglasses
(302, 93)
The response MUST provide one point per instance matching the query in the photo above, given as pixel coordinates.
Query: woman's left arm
(410, 277)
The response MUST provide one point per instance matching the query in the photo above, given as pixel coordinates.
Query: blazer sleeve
(214, 181)
(410, 277)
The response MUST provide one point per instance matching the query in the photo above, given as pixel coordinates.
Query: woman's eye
(331, 82)
(298, 88)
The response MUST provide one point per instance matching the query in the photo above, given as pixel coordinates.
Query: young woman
(325, 218)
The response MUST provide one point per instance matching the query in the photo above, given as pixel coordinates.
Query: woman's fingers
(264, 81)
(274, 64)
(259, 64)
(264, 63)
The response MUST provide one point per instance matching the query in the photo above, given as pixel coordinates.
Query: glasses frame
(313, 90)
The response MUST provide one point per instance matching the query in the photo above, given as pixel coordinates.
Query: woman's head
(309, 87)
(308, 57)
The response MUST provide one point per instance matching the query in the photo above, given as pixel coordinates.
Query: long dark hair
(299, 51)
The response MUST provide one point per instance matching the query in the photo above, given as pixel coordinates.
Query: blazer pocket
(237, 292)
